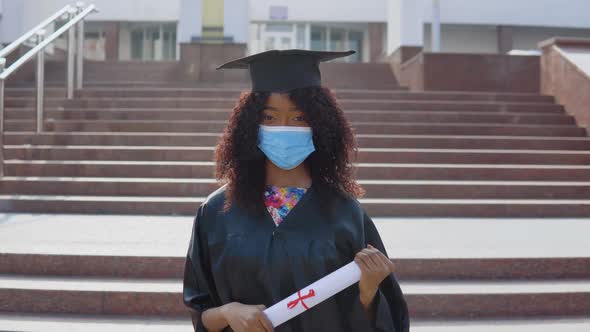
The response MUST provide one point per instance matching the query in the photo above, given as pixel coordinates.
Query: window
(355, 42)
(169, 44)
(318, 38)
(153, 41)
(137, 44)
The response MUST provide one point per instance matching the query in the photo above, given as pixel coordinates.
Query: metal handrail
(19, 41)
(32, 52)
(76, 17)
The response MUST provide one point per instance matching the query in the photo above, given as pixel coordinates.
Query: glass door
(153, 41)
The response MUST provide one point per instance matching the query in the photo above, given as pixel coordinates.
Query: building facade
(153, 29)
(497, 26)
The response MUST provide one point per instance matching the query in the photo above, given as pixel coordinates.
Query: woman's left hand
(374, 268)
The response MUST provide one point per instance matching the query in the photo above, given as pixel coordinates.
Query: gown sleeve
(198, 290)
(391, 310)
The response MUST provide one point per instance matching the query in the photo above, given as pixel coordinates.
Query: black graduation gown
(236, 257)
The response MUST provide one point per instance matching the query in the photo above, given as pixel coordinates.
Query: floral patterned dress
(280, 200)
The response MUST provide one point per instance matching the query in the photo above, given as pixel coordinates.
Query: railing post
(2, 65)
(70, 60)
(80, 49)
(40, 78)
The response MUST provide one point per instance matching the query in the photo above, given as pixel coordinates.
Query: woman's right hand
(246, 318)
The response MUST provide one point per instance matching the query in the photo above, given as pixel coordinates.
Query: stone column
(404, 24)
(376, 38)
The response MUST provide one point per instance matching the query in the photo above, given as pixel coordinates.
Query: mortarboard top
(284, 70)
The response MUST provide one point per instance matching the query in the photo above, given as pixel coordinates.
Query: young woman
(287, 213)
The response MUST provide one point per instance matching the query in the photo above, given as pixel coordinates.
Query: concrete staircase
(458, 154)
(116, 164)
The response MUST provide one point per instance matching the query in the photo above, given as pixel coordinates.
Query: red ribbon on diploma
(293, 303)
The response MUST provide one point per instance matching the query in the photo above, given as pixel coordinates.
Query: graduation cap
(284, 70)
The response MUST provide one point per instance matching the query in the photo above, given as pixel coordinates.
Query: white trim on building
(466, 25)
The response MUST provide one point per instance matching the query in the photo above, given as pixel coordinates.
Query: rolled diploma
(313, 294)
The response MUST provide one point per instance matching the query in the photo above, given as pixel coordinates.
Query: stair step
(495, 287)
(229, 103)
(120, 92)
(200, 169)
(242, 86)
(98, 284)
(181, 187)
(409, 269)
(360, 127)
(341, 93)
(162, 285)
(545, 208)
(353, 116)
(98, 302)
(365, 155)
(426, 299)
(364, 140)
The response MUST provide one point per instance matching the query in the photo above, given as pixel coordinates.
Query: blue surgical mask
(286, 146)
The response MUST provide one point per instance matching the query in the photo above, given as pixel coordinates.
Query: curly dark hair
(241, 164)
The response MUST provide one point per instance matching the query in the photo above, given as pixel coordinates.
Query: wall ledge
(564, 41)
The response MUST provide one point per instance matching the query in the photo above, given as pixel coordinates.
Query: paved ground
(127, 235)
